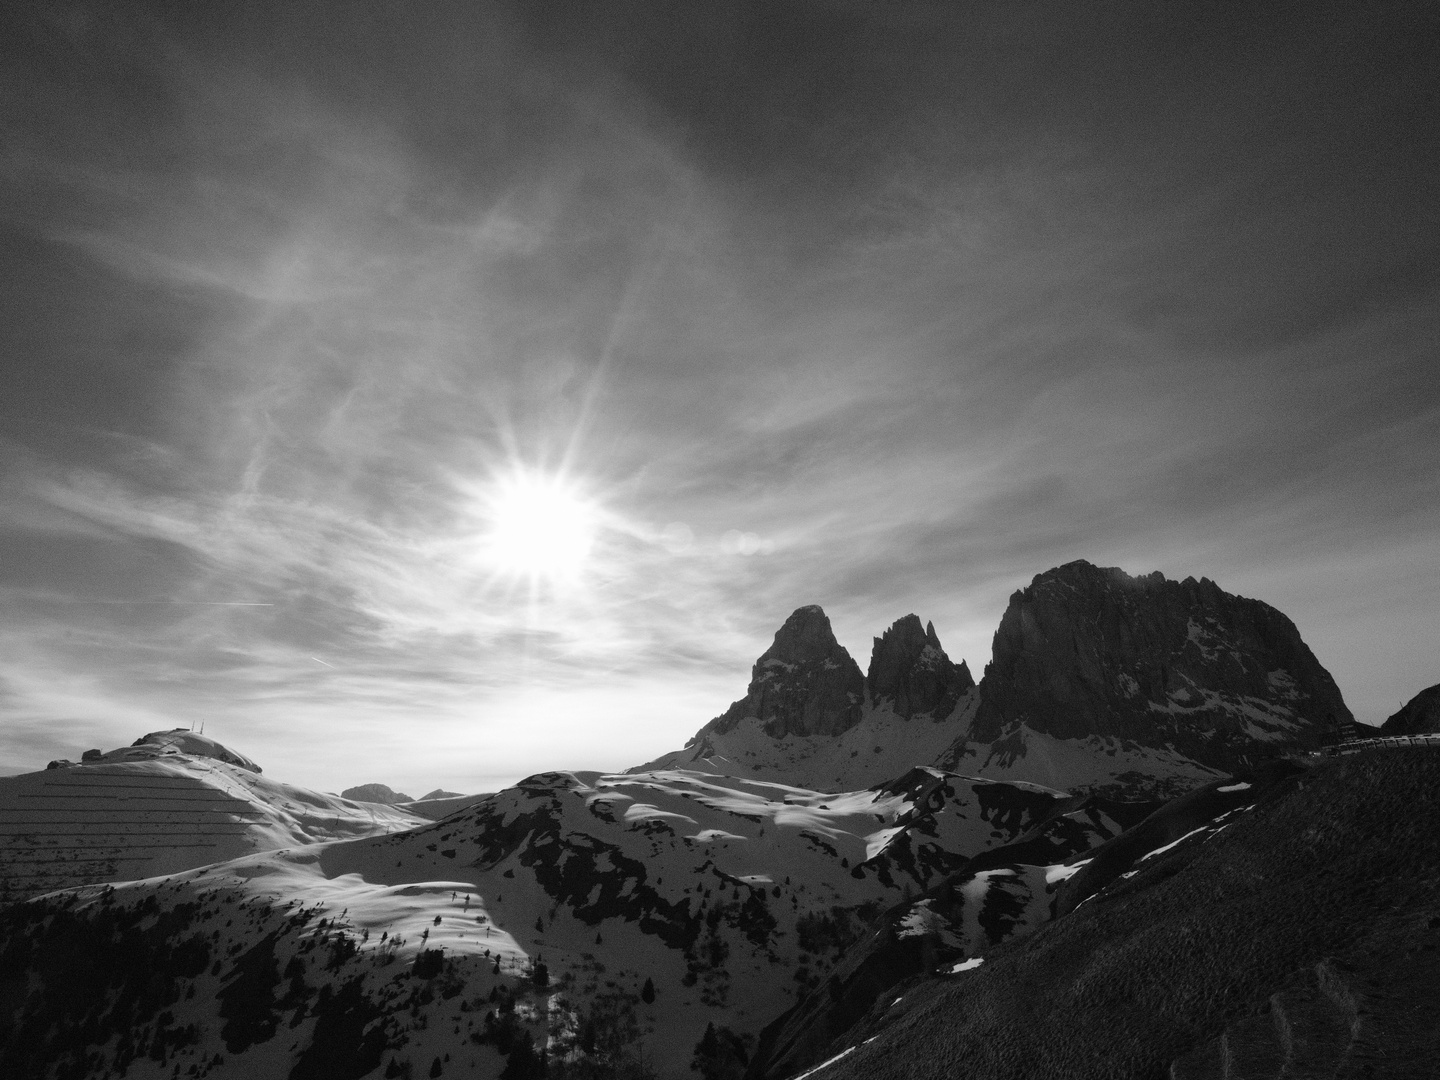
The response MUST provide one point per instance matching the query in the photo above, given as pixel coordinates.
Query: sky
(882, 306)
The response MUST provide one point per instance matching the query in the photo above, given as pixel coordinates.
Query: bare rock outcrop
(910, 669)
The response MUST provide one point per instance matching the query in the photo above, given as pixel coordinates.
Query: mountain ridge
(1100, 681)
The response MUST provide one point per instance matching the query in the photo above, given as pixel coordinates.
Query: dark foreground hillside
(1303, 940)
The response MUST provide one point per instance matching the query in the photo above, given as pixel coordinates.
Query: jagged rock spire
(806, 683)
(910, 669)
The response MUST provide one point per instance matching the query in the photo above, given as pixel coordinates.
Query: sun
(541, 527)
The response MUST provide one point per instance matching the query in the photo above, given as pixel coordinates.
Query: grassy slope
(1341, 862)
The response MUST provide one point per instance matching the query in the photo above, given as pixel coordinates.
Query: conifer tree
(523, 1063)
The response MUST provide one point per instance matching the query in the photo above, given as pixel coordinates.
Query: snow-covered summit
(170, 801)
(181, 741)
(160, 744)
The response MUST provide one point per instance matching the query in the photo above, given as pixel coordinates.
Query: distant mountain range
(1116, 855)
(380, 793)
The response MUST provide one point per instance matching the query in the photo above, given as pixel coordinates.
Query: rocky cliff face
(806, 683)
(1089, 652)
(1420, 716)
(910, 670)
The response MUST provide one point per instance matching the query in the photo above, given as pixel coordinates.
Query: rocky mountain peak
(1093, 651)
(806, 683)
(805, 638)
(909, 668)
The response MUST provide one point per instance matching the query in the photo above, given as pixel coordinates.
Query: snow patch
(919, 920)
(876, 842)
(975, 889)
(1174, 843)
(827, 1062)
(1062, 872)
(1283, 683)
(714, 834)
(648, 812)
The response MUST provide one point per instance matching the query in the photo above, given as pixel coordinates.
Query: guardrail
(1389, 742)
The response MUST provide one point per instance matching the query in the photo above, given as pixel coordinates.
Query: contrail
(319, 661)
(204, 603)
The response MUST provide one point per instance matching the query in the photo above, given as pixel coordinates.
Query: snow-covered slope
(172, 801)
(880, 745)
(730, 896)
(1120, 767)
(883, 744)
(809, 718)
(440, 806)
